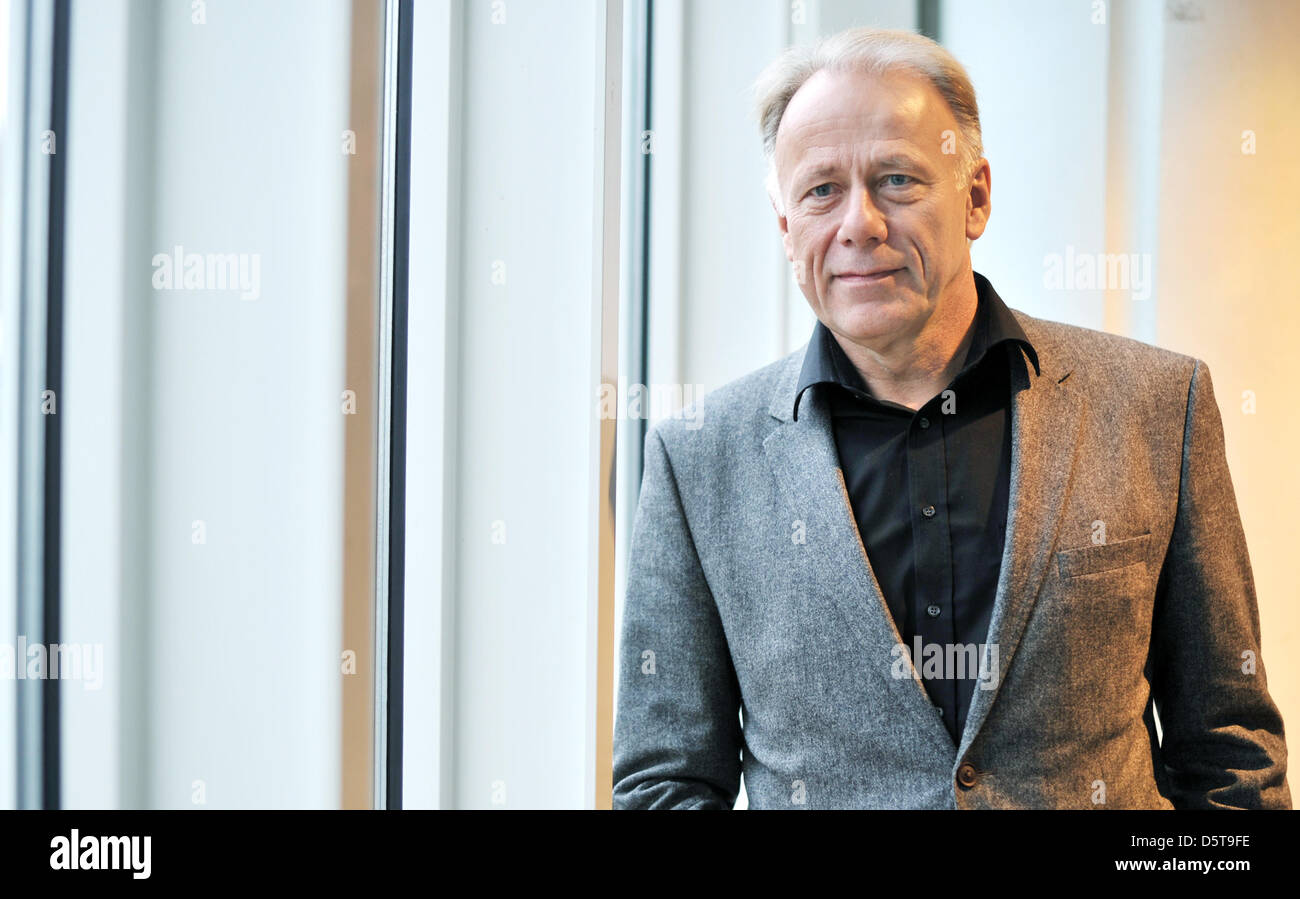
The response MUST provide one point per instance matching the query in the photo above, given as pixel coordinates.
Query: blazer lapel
(1046, 415)
(805, 463)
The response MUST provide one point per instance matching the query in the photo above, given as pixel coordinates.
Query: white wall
(92, 471)
(1227, 293)
(501, 304)
(728, 229)
(1043, 116)
(429, 654)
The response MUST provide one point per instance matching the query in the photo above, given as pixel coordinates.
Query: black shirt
(929, 492)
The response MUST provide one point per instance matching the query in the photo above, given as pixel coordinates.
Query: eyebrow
(891, 161)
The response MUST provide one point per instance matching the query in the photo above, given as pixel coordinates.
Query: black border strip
(51, 549)
(397, 412)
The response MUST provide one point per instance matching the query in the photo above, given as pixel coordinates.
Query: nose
(863, 221)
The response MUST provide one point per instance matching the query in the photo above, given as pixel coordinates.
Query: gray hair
(873, 51)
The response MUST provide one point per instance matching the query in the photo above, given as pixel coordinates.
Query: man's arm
(1222, 738)
(677, 736)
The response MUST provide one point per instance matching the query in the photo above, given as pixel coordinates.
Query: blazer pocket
(1102, 556)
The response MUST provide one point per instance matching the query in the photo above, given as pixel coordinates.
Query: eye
(904, 183)
(814, 192)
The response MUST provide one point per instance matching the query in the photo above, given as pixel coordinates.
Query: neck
(911, 369)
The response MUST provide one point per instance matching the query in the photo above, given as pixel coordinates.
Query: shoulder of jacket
(729, 410)
(1110, 360)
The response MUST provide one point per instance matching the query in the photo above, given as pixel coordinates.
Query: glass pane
(218, 403)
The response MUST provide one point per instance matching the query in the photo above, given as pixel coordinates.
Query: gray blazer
(755, 637)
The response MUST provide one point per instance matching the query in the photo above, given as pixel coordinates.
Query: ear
(773, 186)
(784, 225)
(979, 201)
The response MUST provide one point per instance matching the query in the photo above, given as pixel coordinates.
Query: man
(948, 555)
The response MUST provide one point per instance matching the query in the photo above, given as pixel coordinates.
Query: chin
(871, 318)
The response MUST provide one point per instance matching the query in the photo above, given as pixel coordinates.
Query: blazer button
(966, 775)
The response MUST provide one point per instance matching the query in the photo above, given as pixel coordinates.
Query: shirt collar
(825, 360)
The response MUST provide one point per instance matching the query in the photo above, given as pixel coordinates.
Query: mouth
(864, 278)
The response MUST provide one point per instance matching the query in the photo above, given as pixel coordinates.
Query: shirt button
(966, 776)
(925, 422)
(933, 611)
(928, 511)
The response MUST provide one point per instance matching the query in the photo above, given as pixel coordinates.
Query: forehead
(833, 111)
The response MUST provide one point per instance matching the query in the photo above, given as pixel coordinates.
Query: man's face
(869, 189)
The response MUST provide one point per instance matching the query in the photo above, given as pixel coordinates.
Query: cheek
(806, 236)
(925, 229)
(942, 223)
(805, 227)
(810, 239)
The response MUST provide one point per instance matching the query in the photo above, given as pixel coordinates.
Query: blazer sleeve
(1222, 739)
(677, 734)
